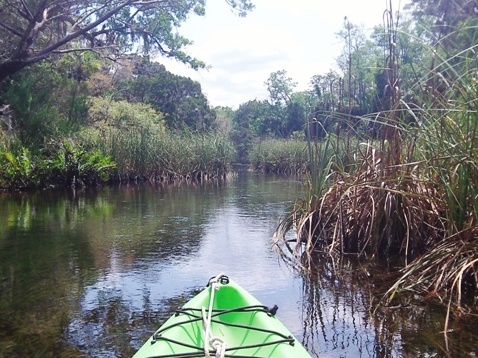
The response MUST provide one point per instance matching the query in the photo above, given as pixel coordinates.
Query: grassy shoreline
(95, 158)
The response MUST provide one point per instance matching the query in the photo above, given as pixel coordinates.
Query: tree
(242, 128)
(356, 62)
(104, 113)
(179, 98)
(280, 88)
(326, 88)
(31, 31)
(447, 14)
(224, 118)
(452, 33)
(45, 104)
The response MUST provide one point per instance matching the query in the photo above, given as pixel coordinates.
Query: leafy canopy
(32, 30)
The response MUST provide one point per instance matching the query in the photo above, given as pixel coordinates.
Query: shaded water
(92, 274)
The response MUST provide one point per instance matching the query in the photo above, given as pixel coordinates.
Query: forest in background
(90, 104)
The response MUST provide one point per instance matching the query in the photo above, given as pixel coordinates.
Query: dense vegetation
(107, 126)
(81, 103)
(399, 180)
(387, 139)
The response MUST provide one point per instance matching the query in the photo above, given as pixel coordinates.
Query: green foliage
(111, 28)
(19, 169)
(30, 100)
(135, 137)
(179, 98)
(147, 153)
(65, 165)
(72, 164)
(263, 119)
(224, 119)
(412, 193)
(284, 156)
(45, 104)
(280, 88)
(243, 140)
(287, 110)
(79, 66)
(104, 113)
(245, 120)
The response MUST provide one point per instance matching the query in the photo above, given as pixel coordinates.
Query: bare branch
(27, 13)
(86, 16)
(11, 29)
(33, 29)
(83, 30)
(81, 49)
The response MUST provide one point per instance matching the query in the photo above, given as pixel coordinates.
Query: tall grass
(326, 160)
(158, 155)
(413, 193)
(282, 156)
(374, 209)
(446, 135)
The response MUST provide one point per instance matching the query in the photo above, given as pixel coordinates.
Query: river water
(94, 273)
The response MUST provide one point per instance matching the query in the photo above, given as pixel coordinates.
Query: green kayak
(223, 320)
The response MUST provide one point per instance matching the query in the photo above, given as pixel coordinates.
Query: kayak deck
(223, 320)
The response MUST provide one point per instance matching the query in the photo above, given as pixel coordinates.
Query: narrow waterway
(94, 273)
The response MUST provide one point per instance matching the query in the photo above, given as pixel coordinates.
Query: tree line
(67, 66)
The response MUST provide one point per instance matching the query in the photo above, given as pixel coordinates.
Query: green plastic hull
(238, 319)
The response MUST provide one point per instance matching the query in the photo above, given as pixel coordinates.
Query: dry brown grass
(449, 268)
(377, 210)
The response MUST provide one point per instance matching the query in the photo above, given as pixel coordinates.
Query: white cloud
(299, 37)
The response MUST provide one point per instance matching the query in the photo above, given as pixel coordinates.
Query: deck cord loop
(217, 344)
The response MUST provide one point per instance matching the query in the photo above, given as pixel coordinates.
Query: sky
(298, 36)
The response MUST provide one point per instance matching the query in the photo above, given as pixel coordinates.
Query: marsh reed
(280, 156)
(412, 193)
(158, 155)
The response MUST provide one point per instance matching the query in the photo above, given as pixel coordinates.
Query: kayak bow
(223, 320)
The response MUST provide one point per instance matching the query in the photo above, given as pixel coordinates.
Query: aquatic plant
(412, 191)
(72, 165)
(281, 156)
(154, 154)
(446, 141)
(19, 169)
(61, 164)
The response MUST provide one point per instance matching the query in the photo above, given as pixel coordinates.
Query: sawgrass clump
(411, 194)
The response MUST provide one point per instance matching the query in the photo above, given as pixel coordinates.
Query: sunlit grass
(282, 156)
(158, 155)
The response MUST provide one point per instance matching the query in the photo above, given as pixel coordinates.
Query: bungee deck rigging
(222, 321)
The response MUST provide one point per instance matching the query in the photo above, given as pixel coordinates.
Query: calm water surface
(92, 274)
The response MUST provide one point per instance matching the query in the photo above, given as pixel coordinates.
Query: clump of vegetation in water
(65, 164)
(165, 156)
(97, 157)
(281, 156)
(411, 192)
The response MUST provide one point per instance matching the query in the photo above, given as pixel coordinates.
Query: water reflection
(342, 318)
(94, 273)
